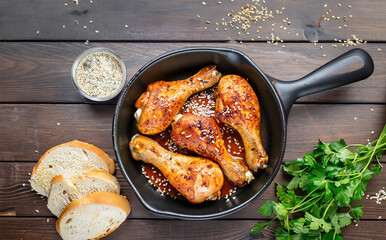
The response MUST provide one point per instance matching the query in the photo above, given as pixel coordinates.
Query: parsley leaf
(259, 226)
(357, 211)
(267, 208)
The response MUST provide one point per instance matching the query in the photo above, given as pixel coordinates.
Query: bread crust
(100, 174)
(75, 143)
(104, 198)
(57, 178)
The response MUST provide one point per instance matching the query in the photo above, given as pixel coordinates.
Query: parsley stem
(302, 209)
(325, 211)
(299, 204)
(373, 152)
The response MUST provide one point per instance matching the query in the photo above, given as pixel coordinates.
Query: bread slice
(63, 191)
(93, 216)
(71, 160)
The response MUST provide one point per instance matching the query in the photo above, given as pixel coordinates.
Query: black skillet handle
(353, 66)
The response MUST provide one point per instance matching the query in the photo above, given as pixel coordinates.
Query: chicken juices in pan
(236, 105)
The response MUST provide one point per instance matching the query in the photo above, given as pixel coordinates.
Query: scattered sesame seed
(37, 32)
(372, 109)
(203, 3)
(36, 151)
(96, 31)
(23, 184)
(64, 26)
(58, 123)
(379, 49)
(48, 220)
(90, 21)
(37, 211)
(324, 55)
(84, 27)
(65, 4)
(379, 217)
(76, 22)
(372, 132)
(379, 196)
(355, 118)
(126, 26)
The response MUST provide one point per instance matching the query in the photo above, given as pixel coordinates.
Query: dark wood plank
(19, 200)
(40, 72)
(177, 20)
(28, 128)
(39, 228)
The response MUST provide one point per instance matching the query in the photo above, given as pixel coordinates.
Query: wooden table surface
(40, 108)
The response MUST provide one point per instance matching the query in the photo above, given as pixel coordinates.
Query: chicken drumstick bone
(197, 179)
(163, 100)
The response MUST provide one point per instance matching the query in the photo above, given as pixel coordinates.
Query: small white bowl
(79, 60)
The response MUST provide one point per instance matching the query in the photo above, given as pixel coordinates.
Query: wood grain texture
(40, 108)
(19, 200)
(39, 228)
(32, 129)
(41, 72)
(178, 21)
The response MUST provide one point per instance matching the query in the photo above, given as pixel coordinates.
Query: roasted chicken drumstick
(197, 179)
(163, 100)
(203, 136)
(237, 105)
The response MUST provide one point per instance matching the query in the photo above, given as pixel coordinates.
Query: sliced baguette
(63, 191)
(71, 160)
(93, 216)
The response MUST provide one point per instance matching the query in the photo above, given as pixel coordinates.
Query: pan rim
(176, 52)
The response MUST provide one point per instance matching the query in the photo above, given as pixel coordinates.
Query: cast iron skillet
(276, 98)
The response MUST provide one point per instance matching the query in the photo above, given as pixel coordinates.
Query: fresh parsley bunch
(322, 187)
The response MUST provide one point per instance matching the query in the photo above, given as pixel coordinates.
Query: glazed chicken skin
(237, 105)
(163, 100)
(197, 179)
(203, 136)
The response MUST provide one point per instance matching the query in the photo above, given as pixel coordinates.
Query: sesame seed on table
(41, 108)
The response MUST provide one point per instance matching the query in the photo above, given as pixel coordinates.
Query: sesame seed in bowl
(99, 74)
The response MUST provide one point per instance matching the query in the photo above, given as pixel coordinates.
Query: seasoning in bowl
(99, 74)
